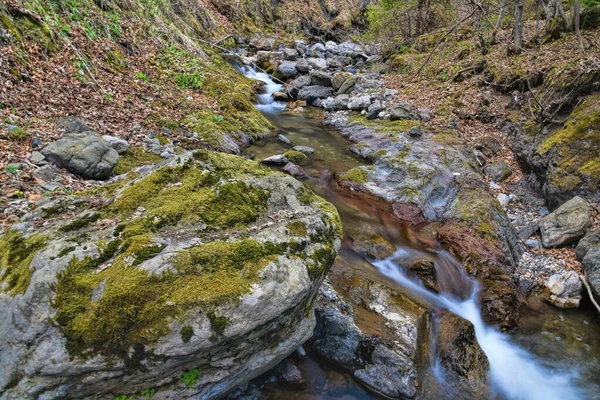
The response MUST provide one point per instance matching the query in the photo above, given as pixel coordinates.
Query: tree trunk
(576, 18)
(561, 12)
(499, 21)
(518, 43)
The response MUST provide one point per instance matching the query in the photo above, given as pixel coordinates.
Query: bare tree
(518, 32)
(576, 17)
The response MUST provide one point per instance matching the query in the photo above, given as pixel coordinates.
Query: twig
(583, 280)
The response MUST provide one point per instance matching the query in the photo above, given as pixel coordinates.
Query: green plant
(193, 81)
(123, 397)
(142, 76)
(12, 168)
(148, 393)
(189, 378)
(108, 96)
(18, 134)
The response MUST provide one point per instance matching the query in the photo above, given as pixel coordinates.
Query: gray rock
(424, 114)
(480, 157)
(401, 110)
(533, 243)
(290, 373)
(71, 125)
(86, 154)
(280, 96)
(262, 43)
(415, 132)
(36, 143)
(337, 103)
(305, 149)
(37, 157)
(287, 70)
(317, 63)
(374, 109)
(317, 48)
(120, 145)
(312, 93)
(564, 289)
(503, 199)
(278, 159)
(47, 173)
(359, 103)
(297, 84)
(338, 79)
(588, 252)
(302, 66)
(490, 146)
(498, 171)
(347, 86)
(293, 169)
(566, 224)
(283, 139)
(320, 78)
(290, 54)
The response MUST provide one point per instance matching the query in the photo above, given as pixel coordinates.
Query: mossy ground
(135, 157)
(355, 176)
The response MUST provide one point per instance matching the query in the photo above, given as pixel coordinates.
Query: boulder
(374, 109)
(71, 125)
(337, 103)
(280, 96)
(86, 154)
(290, 54)
(401, 110)
(302, 66)
(259, 43)
(287, 70)
(338, 79)
(347, 86)
(564, 289)
(498, 171)
(359, 103)
(313, 92)
(588, 252)
(317, 63)
(567, 224)
(320, 78)
(120, 145)
(193, 294)
(298, 84)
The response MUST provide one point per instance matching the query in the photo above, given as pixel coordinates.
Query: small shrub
(142, 76)
(18, 134)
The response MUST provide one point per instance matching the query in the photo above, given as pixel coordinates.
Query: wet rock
(312, 93)
(304, 149)
(86, 154)
(320, 78)
(348, 85)
(287, 70)
(588, 252)
(290, 373)
(374, 109)
(401, 111)
(566, 224)
(302, 66)
(337, 103)
(280, 96)
(293, 169)
(283, 139)
(498, 171)
(564, 289)
(265, 315)
(359, 103)
(317, 63)
(278, 159)
(120, 145)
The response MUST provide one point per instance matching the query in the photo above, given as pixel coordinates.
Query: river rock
(302, 66)
(210, 295)
(359, 103)
(304, 149)
(280, 96)
(287, 70)
(86, 154)
(317, 63)
(297, 84)
(348, 85)
(260, 43)
(588, 252)
(564, 289)
(313, 92)
(566, 224)
(498, 171)
(320, 78)
(337, 103)
(401, 111)
(278, 159)
(374, 109)
(120, 145)
(283, 139)
(293, 169)
(290, 54)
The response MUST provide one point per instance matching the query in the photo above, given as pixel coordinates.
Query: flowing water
(554, 354)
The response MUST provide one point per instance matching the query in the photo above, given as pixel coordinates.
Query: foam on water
(513, 371)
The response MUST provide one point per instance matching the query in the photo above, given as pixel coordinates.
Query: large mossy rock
(566, 160)
(185, 280)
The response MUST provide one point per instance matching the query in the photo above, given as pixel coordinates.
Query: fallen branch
(583, 280)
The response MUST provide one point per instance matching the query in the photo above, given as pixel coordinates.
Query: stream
(553, 354)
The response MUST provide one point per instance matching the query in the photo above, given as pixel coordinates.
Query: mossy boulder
(209, 263)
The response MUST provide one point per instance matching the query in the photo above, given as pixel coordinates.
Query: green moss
(387, 126)
(80, 222)
(297, 228)
(479, 210)
(295, 156)
(355, 175)
(66, 251)
(135, 157)
(186, 333)
(16, 254)
(565, 183)
(18, 134)
(218, 324)
(189, 378)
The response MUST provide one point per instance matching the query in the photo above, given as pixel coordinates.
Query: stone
(374, 109)
(490, 146)
(528, 230)
(280, 96)
(564, 289)
(415, 132)
(297, 84)
(36, 143)
(338, 79)
(239, 309)
(588, 252)
(313, 92)
(567, 224)
(278, 159)
(302, 66)
(337, 103)
(320, 78)
(317, 63)
(503, 199)
(37, 157)
(290, 373)
(348, 85)
(47, 173)
(480, 157)
(290, 54)
(86, 154)
(71, 125)
(498, 171)
(533, 243)
(262, 43)
(316, 48)
(424, 114)
(293, 169)
(359, 103)
(283, 139)
(120, 145)
(401, 111)
(287, 70)
(304, 149)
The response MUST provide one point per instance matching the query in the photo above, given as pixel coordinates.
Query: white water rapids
(266, 103)
(513, 372)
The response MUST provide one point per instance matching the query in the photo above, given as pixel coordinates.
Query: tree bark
(518, 42)
(576, 18)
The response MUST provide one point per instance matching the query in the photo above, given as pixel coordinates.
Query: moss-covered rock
(176, 268)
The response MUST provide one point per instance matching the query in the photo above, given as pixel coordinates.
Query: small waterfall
(513, 372)
(266, 103)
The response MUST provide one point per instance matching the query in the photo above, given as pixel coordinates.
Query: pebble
(495, 186)
(503, 199)
(283, 139)
(533, 243)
